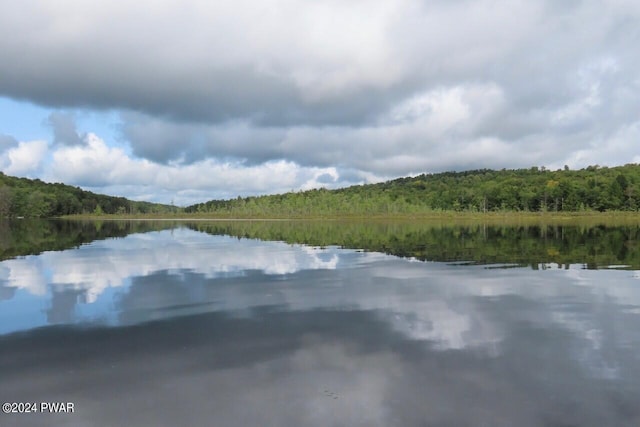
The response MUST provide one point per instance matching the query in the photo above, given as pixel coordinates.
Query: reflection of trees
(6, 197)
(5, 236)
(32, 236)
(593, 246)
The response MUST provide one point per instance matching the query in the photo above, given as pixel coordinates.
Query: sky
(191, 100)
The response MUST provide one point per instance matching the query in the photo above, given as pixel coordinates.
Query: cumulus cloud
(96, 165)
(25, 159)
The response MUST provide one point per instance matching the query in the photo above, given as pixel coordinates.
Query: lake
(277, 323)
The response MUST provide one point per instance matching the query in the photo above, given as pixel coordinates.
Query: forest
(28, 198)
(535, 189)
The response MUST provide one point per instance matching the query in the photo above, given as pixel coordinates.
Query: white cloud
(96, 165)
(25, 159)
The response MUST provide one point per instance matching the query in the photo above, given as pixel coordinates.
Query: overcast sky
(194, 100)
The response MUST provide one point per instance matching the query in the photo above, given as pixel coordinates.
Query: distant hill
(22, 197)
(534, 190)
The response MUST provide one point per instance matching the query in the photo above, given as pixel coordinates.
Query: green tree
(37, 205)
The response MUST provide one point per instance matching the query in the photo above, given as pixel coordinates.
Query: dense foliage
(525, 190)
(22, 197)
(534, 190)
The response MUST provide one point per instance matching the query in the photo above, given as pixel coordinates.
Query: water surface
(276, 324)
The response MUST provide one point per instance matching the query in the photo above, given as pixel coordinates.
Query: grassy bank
(515, 218)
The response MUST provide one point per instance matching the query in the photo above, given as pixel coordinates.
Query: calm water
(303, 324)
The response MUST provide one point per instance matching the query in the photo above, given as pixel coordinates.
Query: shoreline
(474, 217)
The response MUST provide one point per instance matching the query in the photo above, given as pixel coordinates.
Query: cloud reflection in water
(246, 332)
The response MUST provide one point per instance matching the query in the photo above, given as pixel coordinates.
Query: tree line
(535, 189)
(23, 197)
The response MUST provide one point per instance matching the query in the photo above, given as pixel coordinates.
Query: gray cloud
(162, 141)
(305, 65)
(188, 64)
(64, 129)
(463, 127)
(6, 142)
